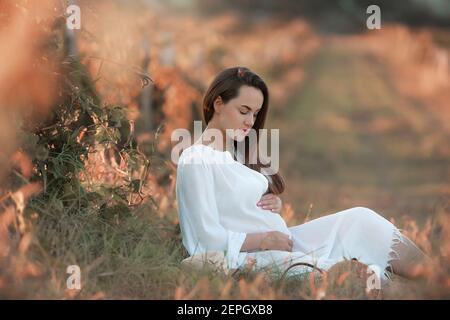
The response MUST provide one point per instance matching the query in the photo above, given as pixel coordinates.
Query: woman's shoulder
(196, 153)
(203, 154)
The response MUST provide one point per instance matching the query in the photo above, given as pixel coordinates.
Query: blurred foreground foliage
(102, 225)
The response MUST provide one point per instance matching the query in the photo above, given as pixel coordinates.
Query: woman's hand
(275, 240)
(270, 202)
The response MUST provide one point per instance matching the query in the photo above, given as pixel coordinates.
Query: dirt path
(346, 140)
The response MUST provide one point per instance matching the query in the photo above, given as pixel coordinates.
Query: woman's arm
(271, 240)
(199, 216)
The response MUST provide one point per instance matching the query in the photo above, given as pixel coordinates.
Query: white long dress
(217, 199)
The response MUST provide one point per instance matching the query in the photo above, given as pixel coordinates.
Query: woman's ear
(218, 103)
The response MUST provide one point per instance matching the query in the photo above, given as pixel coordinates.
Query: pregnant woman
(227, 204)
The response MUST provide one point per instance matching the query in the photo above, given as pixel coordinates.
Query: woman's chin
(239, 138)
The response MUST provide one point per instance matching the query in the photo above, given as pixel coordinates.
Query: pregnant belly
(257, 220)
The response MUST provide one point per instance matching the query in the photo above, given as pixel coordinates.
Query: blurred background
(364, 115)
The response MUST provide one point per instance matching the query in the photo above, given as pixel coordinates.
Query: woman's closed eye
(246, 112)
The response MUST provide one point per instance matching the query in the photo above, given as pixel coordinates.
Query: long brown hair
(226, 85)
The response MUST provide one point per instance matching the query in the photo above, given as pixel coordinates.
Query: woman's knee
(365, 214)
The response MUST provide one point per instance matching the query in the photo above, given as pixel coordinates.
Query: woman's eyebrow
(243, 105)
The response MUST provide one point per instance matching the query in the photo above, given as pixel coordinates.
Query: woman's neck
(215, 137)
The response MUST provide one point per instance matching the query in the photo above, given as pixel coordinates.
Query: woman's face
(238, 114)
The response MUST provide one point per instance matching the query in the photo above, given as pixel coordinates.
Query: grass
(136, 257)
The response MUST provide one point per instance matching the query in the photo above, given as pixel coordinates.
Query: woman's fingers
(288, 247)
(270, 202)
(266, 199)
(287, 242)
(290, 244)
(276, 240)
(268, 196)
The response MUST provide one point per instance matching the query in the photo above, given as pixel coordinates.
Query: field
(86, 119)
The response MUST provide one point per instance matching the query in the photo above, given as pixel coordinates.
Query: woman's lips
(241, 132)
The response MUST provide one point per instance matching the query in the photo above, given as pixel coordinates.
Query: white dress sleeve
(199, 216)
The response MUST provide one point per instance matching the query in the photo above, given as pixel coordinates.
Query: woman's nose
(249, 121)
